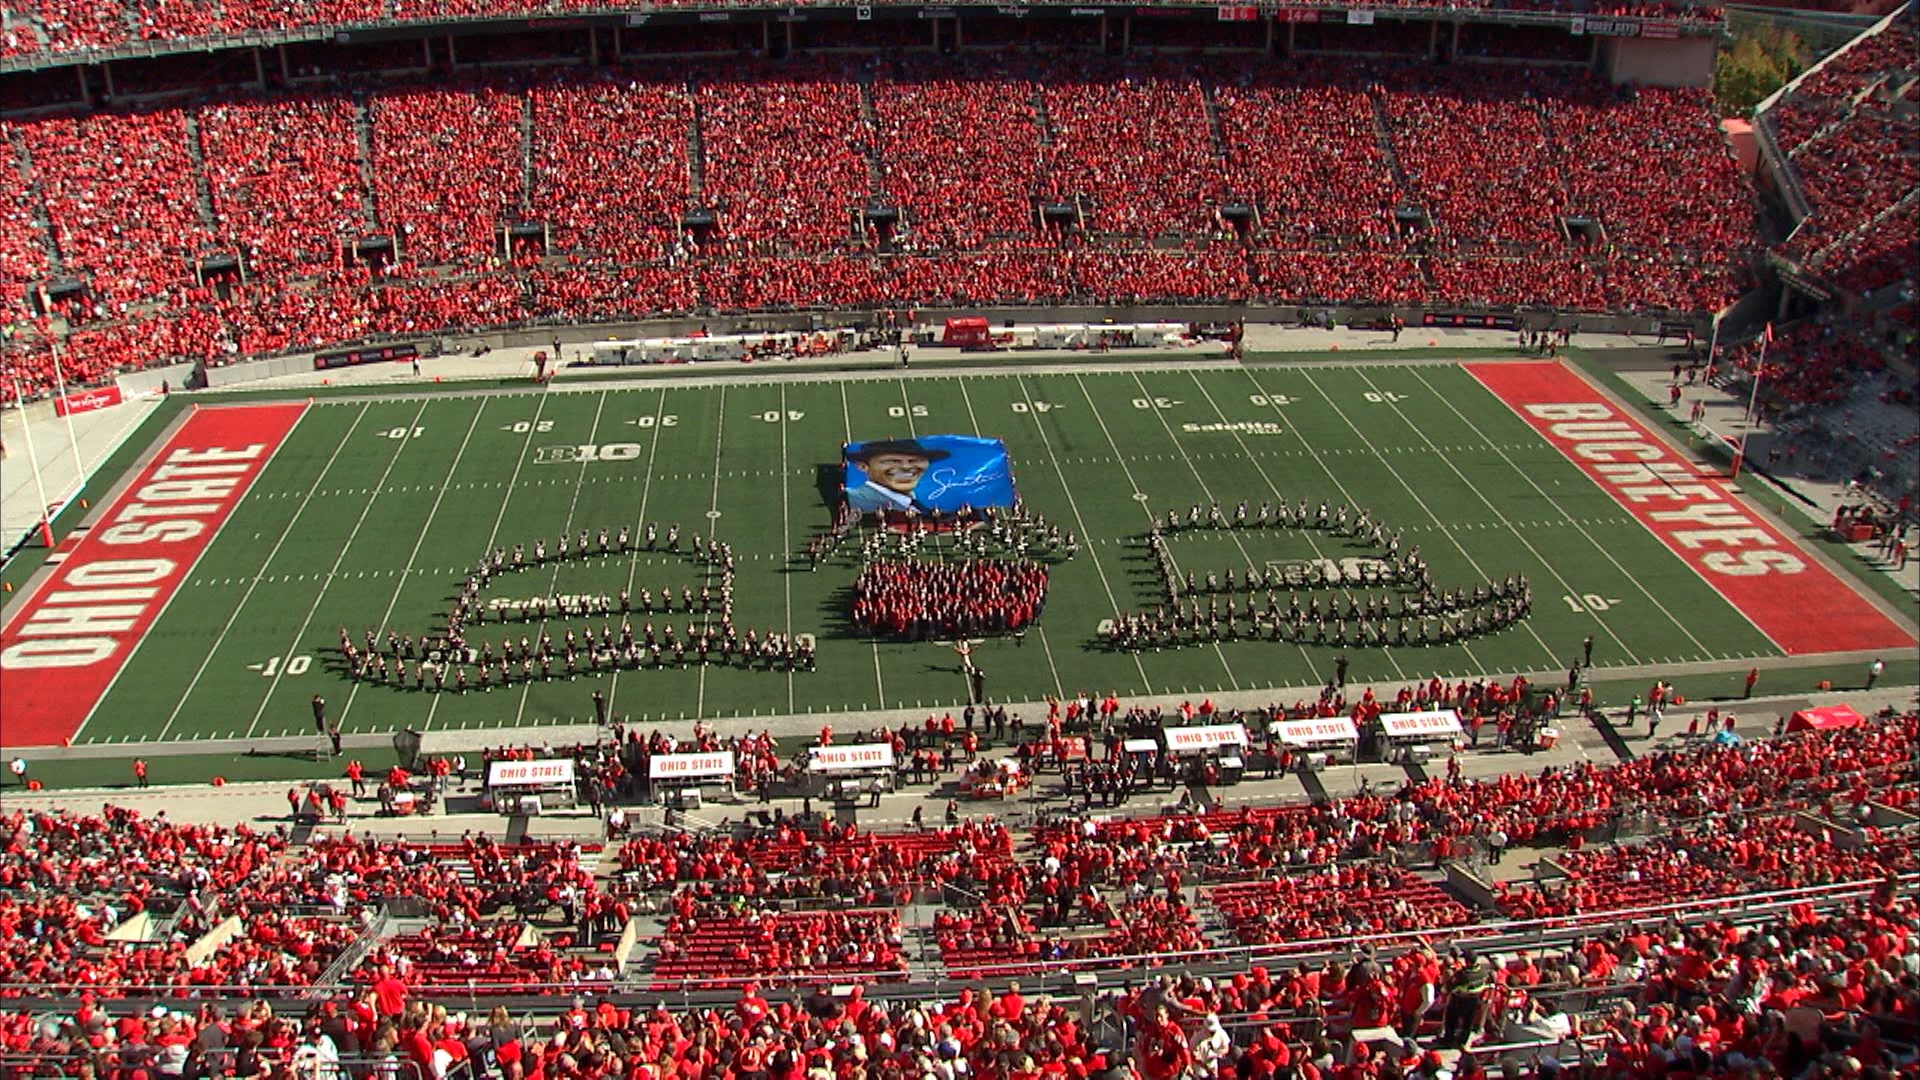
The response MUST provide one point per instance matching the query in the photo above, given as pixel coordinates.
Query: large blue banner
(933, 472)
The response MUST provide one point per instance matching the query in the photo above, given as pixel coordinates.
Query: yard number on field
(775, 416)
(404, 433)
(901, 411)
(296, 665)
(1156, 403)
(1038, 406)
(1589, 602)
(1378, 396)
(1264, 400)
(526, 427)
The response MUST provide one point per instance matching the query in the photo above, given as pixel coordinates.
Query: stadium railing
(1503, 936)
(1686, 21)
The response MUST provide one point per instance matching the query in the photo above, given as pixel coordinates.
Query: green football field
(373, 509)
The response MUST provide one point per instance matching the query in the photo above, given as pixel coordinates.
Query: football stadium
(908, 541)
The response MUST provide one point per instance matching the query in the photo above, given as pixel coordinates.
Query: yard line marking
(1074, 505)
(553, 581)
(1148, 510)
(713, 523)
(786, 534)
(1315, 454)
(1312, 542)
(1046, 647)
(1448, 534)
(241, 606)
(365, 509)
(433, 706)
(1555, 503)
(879, 686)
(415, 553)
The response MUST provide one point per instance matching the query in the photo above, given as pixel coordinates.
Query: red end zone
(1793, 599)
(62, 648)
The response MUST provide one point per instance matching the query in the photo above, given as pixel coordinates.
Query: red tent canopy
(1827, 718)
(967, 333)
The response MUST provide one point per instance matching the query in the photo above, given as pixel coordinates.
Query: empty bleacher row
(267, 224)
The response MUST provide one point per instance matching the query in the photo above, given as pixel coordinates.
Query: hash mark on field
(354, 533)
(1551, 501)
(1424, 508)
(241, 606)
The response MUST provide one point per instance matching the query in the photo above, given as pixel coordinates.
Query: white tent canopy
(1316, 732)
(690, 766)
(850, 758)
(547, 773)
(1194, 740)
(1432, 724)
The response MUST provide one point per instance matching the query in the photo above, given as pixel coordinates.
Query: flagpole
(33, 461)
(1753, 401)
(1713, 347)
(60, 384)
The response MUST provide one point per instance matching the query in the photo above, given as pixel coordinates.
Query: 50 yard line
(879, 685)
(327, 581)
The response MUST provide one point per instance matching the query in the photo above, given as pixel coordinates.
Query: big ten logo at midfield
(586, 453)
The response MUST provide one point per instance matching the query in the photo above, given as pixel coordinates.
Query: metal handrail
(155, 47)
(1744, 908)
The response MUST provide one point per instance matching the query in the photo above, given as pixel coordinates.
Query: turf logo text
(67, 642)
(81, 621)
(1680, 505)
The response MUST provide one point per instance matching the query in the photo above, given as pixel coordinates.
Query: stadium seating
(1257, 892)
(73, 26)
(787, 158)
(1847, 141)
(284, 180)
(617, 199)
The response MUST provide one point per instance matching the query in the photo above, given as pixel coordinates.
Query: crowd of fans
(1816, 363)
(808, 903)
(1345, 185)
(1847, 129)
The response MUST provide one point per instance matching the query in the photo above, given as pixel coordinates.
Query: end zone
(1802, 606)
(64, 646)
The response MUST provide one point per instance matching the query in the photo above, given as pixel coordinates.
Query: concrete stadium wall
(1686, 61)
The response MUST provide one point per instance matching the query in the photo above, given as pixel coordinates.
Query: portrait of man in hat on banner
(892, 469)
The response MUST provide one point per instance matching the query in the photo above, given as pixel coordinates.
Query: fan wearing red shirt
(1161, 1050)
(389, 994)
